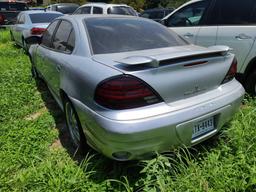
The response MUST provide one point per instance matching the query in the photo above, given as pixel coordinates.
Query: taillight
(2, 19)
(231, 72)
(125, 92)
(37, 31)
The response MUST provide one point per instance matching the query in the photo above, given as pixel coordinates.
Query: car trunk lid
(176, 73)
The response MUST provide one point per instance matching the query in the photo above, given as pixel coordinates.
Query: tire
(12, 38)
(250, 84)
(24, 45)
(74, 126)
(34, 72)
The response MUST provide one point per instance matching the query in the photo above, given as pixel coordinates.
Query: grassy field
(35, 154)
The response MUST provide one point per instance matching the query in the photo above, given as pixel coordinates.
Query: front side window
(97, 10)
(47, 36)
(64, 37)
(86, 10)
(190, 15)
(43, 18)
(233, 12)
(114, 35)
(22, 19)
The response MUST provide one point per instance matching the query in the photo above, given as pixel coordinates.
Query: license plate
(203, 127)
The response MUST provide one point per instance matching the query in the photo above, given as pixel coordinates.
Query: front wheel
(12, 38)
(74, 126)
(250, 84)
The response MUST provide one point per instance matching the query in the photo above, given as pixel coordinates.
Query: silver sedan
(31, 23)
(130, 87)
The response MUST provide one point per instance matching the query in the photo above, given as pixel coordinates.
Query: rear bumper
(134, 139)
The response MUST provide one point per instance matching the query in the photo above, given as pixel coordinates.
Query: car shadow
(103, 167)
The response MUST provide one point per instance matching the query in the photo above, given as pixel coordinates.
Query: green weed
(35, 155)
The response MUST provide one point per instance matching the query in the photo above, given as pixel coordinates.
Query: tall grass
(35, 156)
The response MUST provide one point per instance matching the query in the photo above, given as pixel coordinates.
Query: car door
(186, 21)
(45, 50)
(236, 26)
(63, 44)
(14, 32)
(19, 28)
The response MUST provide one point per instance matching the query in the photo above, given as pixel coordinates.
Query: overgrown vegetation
(35, 154)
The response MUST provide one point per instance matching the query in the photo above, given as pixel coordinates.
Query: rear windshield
(43, 17)
(114, 35)
(121, 10)
(67, 9)
(6, 6)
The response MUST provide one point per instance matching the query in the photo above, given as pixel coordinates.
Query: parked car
(103, 8)
(156, 14)
(65, 8)
(229, 22)
(129, 86)
(31, 23)
(9, 10)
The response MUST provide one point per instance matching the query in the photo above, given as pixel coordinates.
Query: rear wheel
(250, 83)
(74, 126)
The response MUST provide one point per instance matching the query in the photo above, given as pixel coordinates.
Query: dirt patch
(56, 144)
(35, 115)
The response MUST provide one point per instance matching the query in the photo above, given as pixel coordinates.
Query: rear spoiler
(155, 61)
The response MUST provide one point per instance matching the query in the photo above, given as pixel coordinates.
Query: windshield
(153, 14)
(121, 10)
(6, 6)
(114, 35)
(67, 9)
(43, 17)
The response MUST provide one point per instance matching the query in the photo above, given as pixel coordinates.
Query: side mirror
(33, 40)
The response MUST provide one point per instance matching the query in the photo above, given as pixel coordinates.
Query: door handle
(243, 36)
(58, 68)
(188, 35)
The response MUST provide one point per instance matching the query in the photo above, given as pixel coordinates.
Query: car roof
(39, 11)
(63, 4)
(104, 4)
(88, 16)
(81, 17)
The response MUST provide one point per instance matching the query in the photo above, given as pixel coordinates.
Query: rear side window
(47, 36)
(97, 10)
(233, 12)
(64, 37)
(114, 35)
(43, 17)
